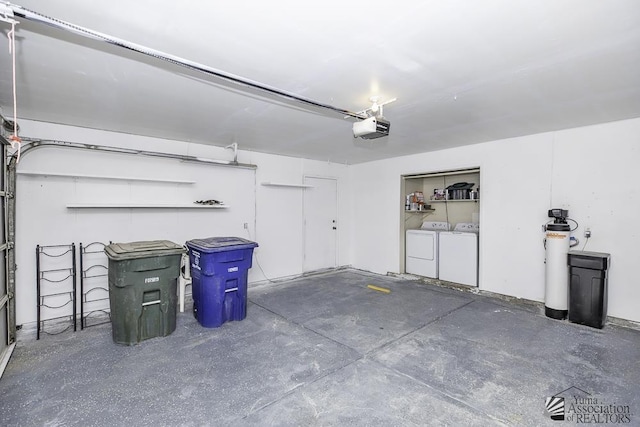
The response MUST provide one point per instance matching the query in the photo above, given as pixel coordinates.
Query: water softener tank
(556, 292)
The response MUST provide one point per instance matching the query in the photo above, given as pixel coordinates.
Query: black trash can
(588, 283)
(143, 289)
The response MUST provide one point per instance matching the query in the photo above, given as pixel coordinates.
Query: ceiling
(463, 72)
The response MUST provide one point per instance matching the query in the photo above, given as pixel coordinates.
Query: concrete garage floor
(326, 350)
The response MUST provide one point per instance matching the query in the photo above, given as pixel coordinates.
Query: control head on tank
(559, 215)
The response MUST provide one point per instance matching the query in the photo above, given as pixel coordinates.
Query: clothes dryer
(458, 257)
(421, 249)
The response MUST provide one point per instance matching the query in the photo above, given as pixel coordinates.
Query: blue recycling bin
(219, 270)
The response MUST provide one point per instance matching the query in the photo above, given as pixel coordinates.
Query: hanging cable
(15, 139)
(11, 35)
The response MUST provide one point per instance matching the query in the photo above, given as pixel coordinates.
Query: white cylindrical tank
(556, 292)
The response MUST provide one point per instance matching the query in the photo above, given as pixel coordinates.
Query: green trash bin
(143, 289)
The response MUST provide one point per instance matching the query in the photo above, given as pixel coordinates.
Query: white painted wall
(274, 215)
(593, 171)
(279, 211)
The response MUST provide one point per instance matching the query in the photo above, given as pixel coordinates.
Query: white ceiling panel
(463, 72)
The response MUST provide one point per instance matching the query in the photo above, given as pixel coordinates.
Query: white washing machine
(458, 258)
(421, 249)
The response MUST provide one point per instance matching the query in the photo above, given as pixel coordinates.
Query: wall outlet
(587, 232)
(246, 226)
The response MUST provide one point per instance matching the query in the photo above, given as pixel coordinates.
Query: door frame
(460, 170)
(304, 222)
(7, 301)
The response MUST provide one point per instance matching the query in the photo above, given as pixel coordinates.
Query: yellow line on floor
(377, 288)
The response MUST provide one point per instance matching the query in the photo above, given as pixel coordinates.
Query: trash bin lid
(590, 260)
(142, 249)
(219, 244)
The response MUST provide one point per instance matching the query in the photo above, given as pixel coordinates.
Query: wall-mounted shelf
(420, 212)
(282, 184)
(128, 205)
(106, 177)
(453, 200)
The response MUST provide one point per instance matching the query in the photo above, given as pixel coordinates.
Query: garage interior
(326, 350)
(148, 121)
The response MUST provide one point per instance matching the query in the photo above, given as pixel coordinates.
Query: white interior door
(320, 223)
